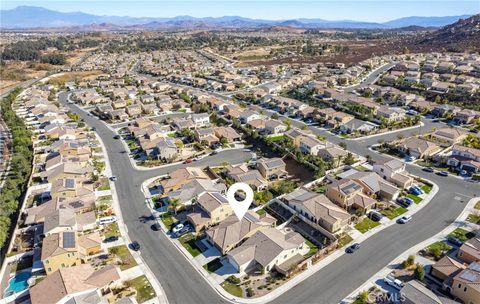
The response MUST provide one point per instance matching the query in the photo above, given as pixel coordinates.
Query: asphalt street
(184, 285)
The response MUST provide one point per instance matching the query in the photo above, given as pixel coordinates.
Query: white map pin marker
(240, 207)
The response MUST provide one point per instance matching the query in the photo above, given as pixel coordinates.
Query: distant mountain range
(38, 17)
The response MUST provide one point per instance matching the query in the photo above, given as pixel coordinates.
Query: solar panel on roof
(69, 239)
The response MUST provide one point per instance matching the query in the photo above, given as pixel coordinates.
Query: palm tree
(173, 204)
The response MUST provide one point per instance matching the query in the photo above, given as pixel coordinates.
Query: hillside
(461, 35)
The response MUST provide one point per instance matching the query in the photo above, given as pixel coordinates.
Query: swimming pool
(18, 283)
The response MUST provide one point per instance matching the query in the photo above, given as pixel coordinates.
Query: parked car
(177, 228)
(156, 227)
(395, 283)
(428, 169)
(405, 201)
(188, 161)
(418, 189)
(135, 246)
(352, 248)
(110, 239)
(410, 158)
(442, 173)
(375, 216)
(94, 129)
(454, 241)
(214, 152)
(113, 178)
(404, 219)
(414, 191)
(186, 229)
(116, 137)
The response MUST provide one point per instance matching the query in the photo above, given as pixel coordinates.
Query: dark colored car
(116, 137)
(155, 227)
(454, 241)
(135, 246)
(442, 173)
(428, 169)
(352, 248)
(110, 239)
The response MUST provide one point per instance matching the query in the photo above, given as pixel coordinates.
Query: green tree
(419, 272)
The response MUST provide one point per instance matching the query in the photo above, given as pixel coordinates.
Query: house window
(459, 285)
(465, 289)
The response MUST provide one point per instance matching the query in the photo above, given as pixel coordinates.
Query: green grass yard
(392, 213)
(188, 241)
(232, 289)
(344, 239)
(416, 199)
(426, 188)
(143, 287)
(111, 230)
(473, 218)
(126, 258)
(366, 224)
(168, 220)
(276, 138)
(313, 248)
(462, 234)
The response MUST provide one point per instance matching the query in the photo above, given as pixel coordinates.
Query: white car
(395, 283)
(177, 228)
(404, 219)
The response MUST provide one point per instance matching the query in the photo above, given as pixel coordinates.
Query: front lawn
(416, 199)
(168, 220)
(313, 248)
(474, 218)
(462, 234)
(232, 289)
(143, 287)
(344, 239)
(366, 224)
(111, 230)
(188, 241)
(276, 138)
(392, 213)
(213, 265)
(426, 188)
(105, 185)
(438, 249)
(126, 258)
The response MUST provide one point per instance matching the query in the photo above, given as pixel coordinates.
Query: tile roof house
(241, 173)
(470, 251)
(210, 209)
(266, 249)
(231, 232)
(59, 250)
(393, 171)
(418, 148)
(466, 284)
(272, 168)
(68, 282)
(448, 136)
(318, 209)
(465, 158)
(416, 293)
(227, 132)
(447, 267)
(180, 177)
(348, 194)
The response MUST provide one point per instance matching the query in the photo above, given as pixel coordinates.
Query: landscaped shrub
(233, 279)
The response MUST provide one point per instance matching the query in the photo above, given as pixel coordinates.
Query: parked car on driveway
(375, 216)
(177, 228)
(110, 239)
(404, 219)
(395, 283)
(352, 248)
(405, 201)
(454, 241)
(410, 158)
(415, 190)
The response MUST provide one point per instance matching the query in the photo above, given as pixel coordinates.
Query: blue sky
(374, 11)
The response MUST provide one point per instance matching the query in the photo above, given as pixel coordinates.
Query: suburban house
(373, 184)
(310, 145)
(272, 168)
(446, 268)
(332, 153)
(470, 251)
(231, 232)
(418, 148)
(465, 116)
(393, 171)
(210, 209)
(266, 249)
(448, 136)
(357, 125)
(60, 250)
(181, 177)
(465, 158)
(348, 194)
(228, 133)
(71, 285)
(275, 127)
(201, 120)
(318, 209)
(415, 292)
(241, 173)
(465, 284)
